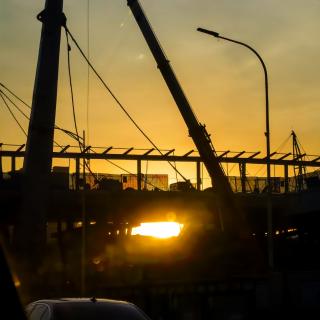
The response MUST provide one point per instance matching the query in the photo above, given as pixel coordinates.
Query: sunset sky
(223, 81)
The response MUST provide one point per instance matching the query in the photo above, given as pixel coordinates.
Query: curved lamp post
(267, 134)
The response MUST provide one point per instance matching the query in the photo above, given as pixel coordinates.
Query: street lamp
(267, 134)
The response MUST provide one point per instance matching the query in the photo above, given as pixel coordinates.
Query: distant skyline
(224, 82)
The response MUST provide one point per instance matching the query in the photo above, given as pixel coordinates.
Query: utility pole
(84, 225)
(30, 233)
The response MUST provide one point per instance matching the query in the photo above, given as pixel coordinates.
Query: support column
(1, 168)
(242, 167)
(78, 174)
(286, 179)
(198, 176)
(13, 164)
(139, 174)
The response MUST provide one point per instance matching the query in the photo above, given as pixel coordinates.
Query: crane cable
(118, 101)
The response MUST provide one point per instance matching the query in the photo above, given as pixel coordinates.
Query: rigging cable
(9, 99)
(302, 148)
(278, 150)
(71, 134)
(283, 144)
(14, 117)
(117, 100)
(81, 145)
(5, 87)
(71, 89)
(88, 68)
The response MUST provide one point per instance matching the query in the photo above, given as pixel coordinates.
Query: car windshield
(93, 311)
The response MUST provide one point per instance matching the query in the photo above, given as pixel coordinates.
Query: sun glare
(160, 230)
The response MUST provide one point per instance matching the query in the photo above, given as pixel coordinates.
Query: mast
(30, 233)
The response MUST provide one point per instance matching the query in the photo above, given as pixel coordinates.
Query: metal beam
(299, 157)
(271, 154)
(285, 156)
(86, 149)
(223, 154)
(20, 148)
(128, 151)
(65, 148)
(316, 159)
(239, 154)
(188, 153)
(254, 155)
(134, 157)
(170, 151)
(149, 151)
(107, 150)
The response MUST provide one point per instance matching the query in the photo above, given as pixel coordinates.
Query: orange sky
(223, 81)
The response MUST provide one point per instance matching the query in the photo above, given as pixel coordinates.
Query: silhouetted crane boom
(197, 131)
